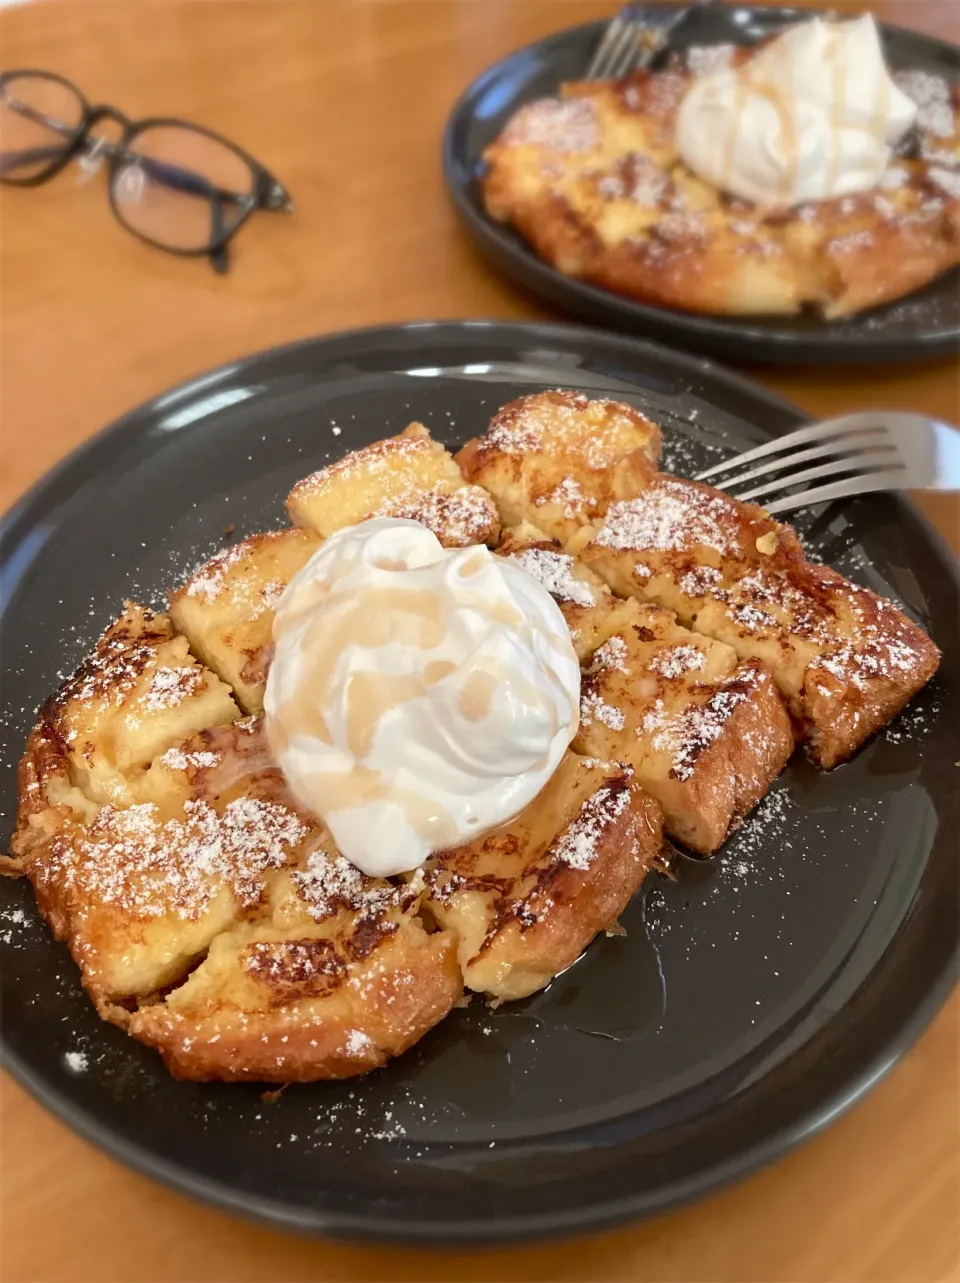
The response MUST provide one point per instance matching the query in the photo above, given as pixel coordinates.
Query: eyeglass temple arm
(9, 160)
(40, 118)
(182, 180)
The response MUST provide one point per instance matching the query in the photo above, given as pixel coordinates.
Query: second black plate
(922, 325)
(751, 999)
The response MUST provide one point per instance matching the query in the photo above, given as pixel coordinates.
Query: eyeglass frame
(267, 193)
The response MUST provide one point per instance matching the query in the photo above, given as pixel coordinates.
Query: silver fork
(884, 450)
(633, 38)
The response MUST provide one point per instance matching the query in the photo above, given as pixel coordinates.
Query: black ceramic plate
(750, 1001)
(925, 324)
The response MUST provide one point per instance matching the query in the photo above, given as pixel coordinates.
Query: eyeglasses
(173, 184)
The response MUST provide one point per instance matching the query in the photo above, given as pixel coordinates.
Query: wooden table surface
(345, 100)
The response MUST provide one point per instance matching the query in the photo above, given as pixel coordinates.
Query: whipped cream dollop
(812, 116)
(418, 696)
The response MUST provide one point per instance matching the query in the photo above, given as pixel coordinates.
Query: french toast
(705, 734)
(559, 459)
(226, 607)
(593, 181)
(845, 660)
(409, 475)
(218, 923)
(138, 693)
(333, 978)
(527, 899)
(588, 605)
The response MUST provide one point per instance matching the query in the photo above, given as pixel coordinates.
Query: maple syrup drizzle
(411, 617)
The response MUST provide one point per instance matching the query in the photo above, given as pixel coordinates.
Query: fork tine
(623, 52)
(607, 41)
(837, 490)
(823, 470)
(815, 432)
(866, 446)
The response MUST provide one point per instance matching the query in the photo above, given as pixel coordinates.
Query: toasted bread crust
(526, 900)
(558, 459)
(705, 735)
(409, 476)
(226, 608)
(855, 689)
(381, 1004)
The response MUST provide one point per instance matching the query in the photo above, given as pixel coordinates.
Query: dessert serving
(796, 173)
(430, 737)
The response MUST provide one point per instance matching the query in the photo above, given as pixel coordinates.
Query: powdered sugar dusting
(569, 125)
(706, 60)
(948, 180)
(611, 656)
(893, 179)
(554, 570)
(868, 659)
(594, 709)
(178, 760)
(458, 518)
(329, 883)
(579, 845)
(568, 495)
(634, 178)
(358, 1043)
(852, 243)
(208, 582)
(686, 733)
(170, 686)
(675, 661)
(671, 516)
(518, 428)
(931, 93)
(149, 868)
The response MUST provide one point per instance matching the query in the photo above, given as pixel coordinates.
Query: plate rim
(525, 1227)
(721, 337)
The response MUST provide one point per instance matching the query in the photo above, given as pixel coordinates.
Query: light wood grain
(345, 102)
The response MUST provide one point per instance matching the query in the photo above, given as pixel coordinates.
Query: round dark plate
(925, 324)
(751, 1000)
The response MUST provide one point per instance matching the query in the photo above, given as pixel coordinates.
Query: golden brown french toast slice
(335, 978)
(526, 900)
(559, 460)
(409, 475)
(214, 865)
(705, 734)
(138, 693)
(718, 733)
(138, 891)
(845, 659)
(226, 607)
(591, 610)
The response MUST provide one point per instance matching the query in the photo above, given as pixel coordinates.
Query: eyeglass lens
(181, 188)
(39, 118)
